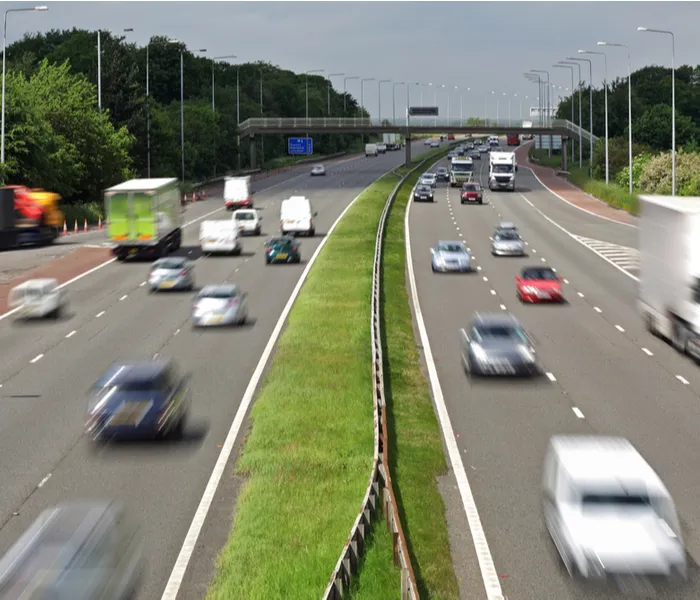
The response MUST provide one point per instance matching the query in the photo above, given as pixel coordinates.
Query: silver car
(506, 226)
(428, 179)
(507, 242)
(220, 305)
(318, 170)
(497, 344)
(172, 273)
(77, 551)
(451, 257)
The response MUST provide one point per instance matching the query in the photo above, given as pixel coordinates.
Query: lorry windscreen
(462, 168)
(502, 168)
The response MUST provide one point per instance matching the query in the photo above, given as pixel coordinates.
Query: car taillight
(269, 250)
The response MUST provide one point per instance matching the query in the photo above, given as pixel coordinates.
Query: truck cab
(502, 169)
(461, 170)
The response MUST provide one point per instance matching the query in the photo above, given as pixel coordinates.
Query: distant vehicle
(80, 550)
(248, 220)
(469, 146)
(513, 139)
(427, 142)
(371, 150)
(451, 257)
(172, 273)
(451, 154)
(317, 170)
(146, 399)
(144, 218)
(450, 137)
(484, 149)
(497, 344)
(220, 305)
(238, 193)
(442, 174)
(506, 226)
(28, 217)
(607, 511)
(220, 237)
(297, 216)
(392, 141)
(475, 154)
(527, 125)
(284, 249)
(539, 284)
(37, 298)
(472, 192)
(507, 242)
(429, 179)
(493, 140)
(424, 193)
(381, 148)
(435, 144)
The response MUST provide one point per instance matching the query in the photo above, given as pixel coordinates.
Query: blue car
(149, 399)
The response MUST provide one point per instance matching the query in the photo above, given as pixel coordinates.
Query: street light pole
(393, 97)
(362, 95)
(573, 97)
(580, 122)
(590, 110)
(379, 89)
(673, 102)
(605, 84)
(307, 106)
(345, 94)
(548, 109)
(329, 90)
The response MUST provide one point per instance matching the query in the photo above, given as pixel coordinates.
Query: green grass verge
(541, 156)
(416, 451)
(612, 194)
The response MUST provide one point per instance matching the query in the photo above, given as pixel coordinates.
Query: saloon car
(317, 170)
(472, 192)
(428, 179)
(451, 257)
(424, 193)
(539, 284)
(172, 273)
(507, 242)
(220, 305)
(442, 174)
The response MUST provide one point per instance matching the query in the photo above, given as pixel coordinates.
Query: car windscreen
(279, 244)
(506, 236)
(442, 170)
(500, 332)
(424, 190)
(539, 275)
(471, 187)
(169, 264)
(452, 248)
(244, 216)
(218, 293)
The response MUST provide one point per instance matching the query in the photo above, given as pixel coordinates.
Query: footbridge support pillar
(408, 149)
(252, 147)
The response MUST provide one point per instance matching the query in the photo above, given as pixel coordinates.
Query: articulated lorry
(668, 297)
(461, 170)
(144, 218)
(393, 141)
(502, 169)
(28, 217)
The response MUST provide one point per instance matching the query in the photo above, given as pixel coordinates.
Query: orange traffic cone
(85, 228)
(99, 223)
(65, 227)
(76, 226)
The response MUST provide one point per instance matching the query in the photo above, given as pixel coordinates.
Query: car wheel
(258, 231)
(312, 233)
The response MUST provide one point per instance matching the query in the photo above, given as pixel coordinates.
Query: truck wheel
(680, 337)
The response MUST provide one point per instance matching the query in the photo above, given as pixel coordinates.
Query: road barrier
(380, 479)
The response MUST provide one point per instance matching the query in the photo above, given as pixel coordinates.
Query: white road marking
(543, 259)
(99, 314)
(647, 352)
(176, 332)
(503, 307)
(682, 379)
(493, 292)
(485, 278)
(577, 412)
(595, 308)
(124, 297)
(143, 283)
(580, 294)
(534, 251)
(460, 235)
(566, 280)
(71, 334)
(619, 328)
(37, 358)
(551, 376)
(478, 268)
(42, 483)
(457, 228)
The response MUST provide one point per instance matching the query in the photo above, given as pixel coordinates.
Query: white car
(37, 298)
(429, 179)
(434, 144)
(248, 220)
(220, 305)
(318, 170)
(427, 142)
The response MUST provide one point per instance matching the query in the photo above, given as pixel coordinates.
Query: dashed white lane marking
(551, 376)
(124, 297)
(682, 379)
(647, 352)
(143, 283)
(176, 332)
(577, 412)
(71, 334)
(619, 328)
(565, 281)
(478, 268)
(42, 483)
(493, 292)
(534, 251)
(99, 314)
(503, 307)
(580, 294)
(37, 358)
(595, 308)
(543, 259)
(527, 243)
(460, 235)
(624, 256)
(485, 278)
(155, 356)
(457, 228)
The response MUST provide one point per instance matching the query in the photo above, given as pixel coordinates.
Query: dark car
(283, 249)
(497, 344)
(442, 174)
(423, 193)
(139, 400)
(475, 154)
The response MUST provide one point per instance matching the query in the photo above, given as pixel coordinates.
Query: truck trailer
(502, 169)
(144, 218)
(668, 296)
(392, 141)
(28, 217)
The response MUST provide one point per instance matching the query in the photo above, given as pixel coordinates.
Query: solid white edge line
(682, 379)
(172, 588)
(551, 376)
(37, 358)
(489, 574)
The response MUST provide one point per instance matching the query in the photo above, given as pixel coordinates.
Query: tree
(654, 128)
(475, 122)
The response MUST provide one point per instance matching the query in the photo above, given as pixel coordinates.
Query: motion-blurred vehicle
(507, 242)
(318, 170)
(539, 284)
(484, 149)
(220, 305)
(85, 550)
(37, 298)
(475, 154)
(435, 144)
(172, 273)
(149, 399)
(424, 193)
(451, 257)
(506, 226)
(220, 237)
(28, 217)
(442, 174)
(144, 218)
(429, 179)
(471, 192)
(371, 150)
(497, 344)
(238, 192)
(248, 220)
(469, 146)
(607, 511)
(284, 249)
(297, 216)
(381, 148)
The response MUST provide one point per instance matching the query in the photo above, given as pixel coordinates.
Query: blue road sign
(300, 145)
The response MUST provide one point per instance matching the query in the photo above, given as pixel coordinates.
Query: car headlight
(479, 353)
(528, 354)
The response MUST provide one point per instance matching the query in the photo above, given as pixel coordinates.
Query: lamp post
(461, 106)
(182, 107)
(573, 118)
(362, 95)
(213, 64)
(605, 84)
(629, 102)
(307, 105)
(580, 122)
(673, 102)
(532, 78)
(590, 110)
(379, 98)
(329, 90)
(345, 94)
(393, 98)
(548, 109)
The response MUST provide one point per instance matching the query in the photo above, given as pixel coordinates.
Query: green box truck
(144, 218)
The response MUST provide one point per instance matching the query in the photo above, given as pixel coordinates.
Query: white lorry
(669, 282)
(461, 170)
(238, 193)
(392, 141)
(502, 169)
(297, 216)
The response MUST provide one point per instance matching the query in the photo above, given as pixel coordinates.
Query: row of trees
(57, 138)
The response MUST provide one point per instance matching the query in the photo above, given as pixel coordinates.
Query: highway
(604, 375)
(48, 368)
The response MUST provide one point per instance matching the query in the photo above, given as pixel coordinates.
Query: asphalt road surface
(605, 375)
(48, 368)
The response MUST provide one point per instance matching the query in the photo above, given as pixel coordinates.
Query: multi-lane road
(47, 369)
(604, 374)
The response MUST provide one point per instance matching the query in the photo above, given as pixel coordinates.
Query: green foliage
(613, 194)
(654, 127)
(639, 163)
(475, 122)
(656, 178)
(618, 151)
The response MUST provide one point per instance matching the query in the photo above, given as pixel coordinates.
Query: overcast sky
(485, 46)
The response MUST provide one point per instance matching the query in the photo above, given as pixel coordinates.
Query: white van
(493, 140)
(371, 150)
(297, 216)
(37, 298)
(248, 220)
(219, 237)
(238, 193)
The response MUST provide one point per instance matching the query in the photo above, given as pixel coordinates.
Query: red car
(539, 284)
(472, 192)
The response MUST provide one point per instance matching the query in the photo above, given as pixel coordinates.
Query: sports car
(283, 249)
(507, 242)
(424, 193)
(472, 192)
(451, 257)
(497, 344)
(220, 305)
(139, 400)
(539, 284)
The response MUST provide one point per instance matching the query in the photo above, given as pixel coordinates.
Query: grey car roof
(230, 288)
(487, 319)
(458, 242)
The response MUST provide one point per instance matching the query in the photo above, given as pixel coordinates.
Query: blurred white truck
(238, 193)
